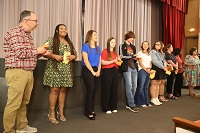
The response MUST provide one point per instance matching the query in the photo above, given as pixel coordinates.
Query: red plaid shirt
(19, 49)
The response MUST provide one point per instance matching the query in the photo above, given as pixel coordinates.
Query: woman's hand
(115, 61)
(71, 57)
(119, 58)
(165, 69)
(97, 74)
(58, 58)
(48, 52)
(93, 73)
(149, 71)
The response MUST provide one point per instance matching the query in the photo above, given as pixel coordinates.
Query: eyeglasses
(33, 20)
(36, 21)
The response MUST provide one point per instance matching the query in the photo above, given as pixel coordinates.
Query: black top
(127, 53)
(169, 56)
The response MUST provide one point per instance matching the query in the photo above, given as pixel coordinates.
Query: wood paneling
(192, 18)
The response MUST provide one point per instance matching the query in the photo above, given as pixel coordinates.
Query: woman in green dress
(58, 72)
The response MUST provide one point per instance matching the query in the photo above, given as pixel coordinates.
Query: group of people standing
(21, 57)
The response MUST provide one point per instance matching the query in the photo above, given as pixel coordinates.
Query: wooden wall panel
(192, 18)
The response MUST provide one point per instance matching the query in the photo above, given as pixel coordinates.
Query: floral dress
(62, 75)
(192, 74)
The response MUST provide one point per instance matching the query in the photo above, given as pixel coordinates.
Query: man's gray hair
(25, 14)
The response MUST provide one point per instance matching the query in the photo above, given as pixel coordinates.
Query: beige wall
(1, 33)
(191, 42)
(199, 30)
(192, 20)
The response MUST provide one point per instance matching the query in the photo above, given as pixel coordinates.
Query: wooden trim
(186, 124)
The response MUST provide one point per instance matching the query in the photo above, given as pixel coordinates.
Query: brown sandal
(173, 97)
(60, 113)
(51, 116)
(192, 94)
(162, 98)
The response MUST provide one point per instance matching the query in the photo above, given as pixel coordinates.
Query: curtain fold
(50, 13)
(116, 17)
(180, 5)
(174, 21)
(107, 17)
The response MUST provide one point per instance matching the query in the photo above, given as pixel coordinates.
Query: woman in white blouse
(144, 71)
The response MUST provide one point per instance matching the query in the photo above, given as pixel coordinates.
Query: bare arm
(54, 56)
(103, 62)
(99, 69)
(87, 63)
(172, 63)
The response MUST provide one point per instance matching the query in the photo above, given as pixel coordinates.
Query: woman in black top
(127, 52)
(170, 58)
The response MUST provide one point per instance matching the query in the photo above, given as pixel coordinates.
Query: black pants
(91, 82)
(178, 84)
(170, 82)
(110, 78)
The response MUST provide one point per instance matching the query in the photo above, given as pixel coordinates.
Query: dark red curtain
(173, 22)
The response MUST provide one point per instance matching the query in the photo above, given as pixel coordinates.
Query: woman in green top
(58, 72)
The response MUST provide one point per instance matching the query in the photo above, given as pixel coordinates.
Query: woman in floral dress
(58, 72)
(191, 76)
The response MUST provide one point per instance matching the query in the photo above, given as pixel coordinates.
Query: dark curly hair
(192, 50)
(177, 51)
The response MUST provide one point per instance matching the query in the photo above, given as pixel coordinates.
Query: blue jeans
(131, 85)
(143, 85)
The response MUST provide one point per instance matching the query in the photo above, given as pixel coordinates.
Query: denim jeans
(143, 85)
(131, 85)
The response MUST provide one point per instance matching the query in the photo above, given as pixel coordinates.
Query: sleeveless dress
(62, 76)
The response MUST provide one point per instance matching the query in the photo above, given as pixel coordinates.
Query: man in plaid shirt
(20, 61)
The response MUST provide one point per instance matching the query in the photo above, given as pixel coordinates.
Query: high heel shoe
(51, 116)
(94, 114)
(91, 117)
(60, 113)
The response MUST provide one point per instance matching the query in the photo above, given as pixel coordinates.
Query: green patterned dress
(192, 73)
(62, 76)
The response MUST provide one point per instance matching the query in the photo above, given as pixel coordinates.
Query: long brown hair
(148, 50)
(161, 48)
(88, 39)
(108, 48)
(167, 47)
(56, 43)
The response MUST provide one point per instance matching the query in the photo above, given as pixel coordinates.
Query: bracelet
(92, 71)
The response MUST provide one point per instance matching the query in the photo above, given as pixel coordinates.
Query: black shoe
(133, 109)
(137, 107)
(91, 117)
(94, 114)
